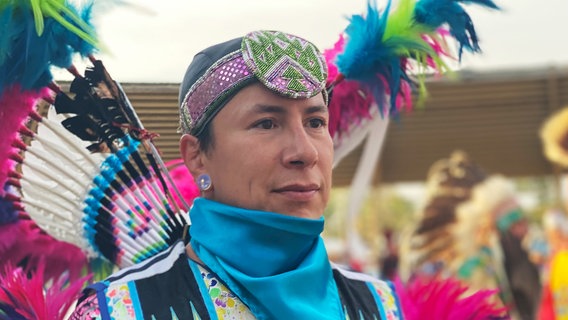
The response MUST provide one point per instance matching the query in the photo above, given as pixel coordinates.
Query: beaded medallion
(285, 63)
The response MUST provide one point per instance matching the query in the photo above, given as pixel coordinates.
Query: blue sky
(153, 42)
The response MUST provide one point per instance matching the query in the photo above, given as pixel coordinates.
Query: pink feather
(15, 105)
(446, 299)
(25, 292)
(438, 45)
(404, 99)
(25, 241)
(183, 181)
(350, 103)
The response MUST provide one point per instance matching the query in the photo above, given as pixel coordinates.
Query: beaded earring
(204, 182)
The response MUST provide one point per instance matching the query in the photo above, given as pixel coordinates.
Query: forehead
(256, 98)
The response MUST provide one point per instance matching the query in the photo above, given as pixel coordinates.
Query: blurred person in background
(472, 228)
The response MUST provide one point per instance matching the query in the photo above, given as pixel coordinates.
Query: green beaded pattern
(289, 65)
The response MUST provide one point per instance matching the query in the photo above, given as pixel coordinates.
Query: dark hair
(206, 138)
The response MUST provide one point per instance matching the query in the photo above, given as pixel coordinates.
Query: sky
(154, 41)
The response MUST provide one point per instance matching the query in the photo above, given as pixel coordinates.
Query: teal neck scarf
(276, 264)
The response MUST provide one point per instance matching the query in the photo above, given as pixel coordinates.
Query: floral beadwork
(388, 300)
(118, 296)
(227, 305)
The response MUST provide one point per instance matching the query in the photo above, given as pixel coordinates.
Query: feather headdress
(111, 202)
(382, 53)
(466, 231)
(108, 203)
(36, 35)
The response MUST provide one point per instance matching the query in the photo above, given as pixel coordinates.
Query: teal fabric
(507, 220)
(276, 264)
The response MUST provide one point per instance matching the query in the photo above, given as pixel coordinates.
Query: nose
(300, 150)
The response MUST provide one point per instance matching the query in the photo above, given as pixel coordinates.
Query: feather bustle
(15, 105)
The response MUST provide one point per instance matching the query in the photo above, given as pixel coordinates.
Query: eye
(266, 124)
(317, 123)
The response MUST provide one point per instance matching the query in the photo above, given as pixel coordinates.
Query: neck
(268, 243)
(191, 254)
(266, 259)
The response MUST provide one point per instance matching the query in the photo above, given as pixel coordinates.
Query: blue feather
(26, 57)
(10, 29)
(376, 62)
(435, 13)
(8, 213)
(81, 46)
(8, 312)
(365, 57)
(26, 62)
(364, 51)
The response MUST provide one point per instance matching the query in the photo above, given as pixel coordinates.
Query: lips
(298, 188)
(298, 192)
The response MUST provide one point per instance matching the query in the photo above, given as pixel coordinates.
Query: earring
(204, 182)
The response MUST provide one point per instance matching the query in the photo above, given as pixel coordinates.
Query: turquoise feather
(27, 57)
(435, 13)
(382, 46)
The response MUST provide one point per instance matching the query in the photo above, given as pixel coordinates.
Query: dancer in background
(472, 228)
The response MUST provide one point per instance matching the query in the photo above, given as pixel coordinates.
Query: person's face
(271, 153)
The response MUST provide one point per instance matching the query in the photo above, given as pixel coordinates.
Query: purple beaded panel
(216, 83)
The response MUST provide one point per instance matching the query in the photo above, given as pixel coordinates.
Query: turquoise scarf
(276, 264)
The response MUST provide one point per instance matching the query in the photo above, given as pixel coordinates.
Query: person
(255, 114)
(472, 228)
(254, 121)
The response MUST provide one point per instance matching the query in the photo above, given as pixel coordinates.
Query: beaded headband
(286, 64)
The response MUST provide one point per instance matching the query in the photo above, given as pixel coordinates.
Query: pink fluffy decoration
(443, 299)
(183, 181)
(23, 291)
(23, 241)
(350, 103)
(15, 105)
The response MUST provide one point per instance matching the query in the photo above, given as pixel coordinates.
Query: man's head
(287, 65)
(254, 117)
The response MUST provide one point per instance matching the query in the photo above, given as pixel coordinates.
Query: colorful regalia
(90, 174)
(468, 230)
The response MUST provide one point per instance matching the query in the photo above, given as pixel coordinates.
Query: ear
(192, 155)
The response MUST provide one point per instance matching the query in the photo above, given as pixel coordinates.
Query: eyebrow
(261, 108)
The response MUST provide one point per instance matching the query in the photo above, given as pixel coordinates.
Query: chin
(304, 213)
(301, 209)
